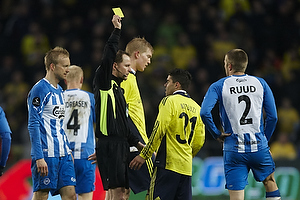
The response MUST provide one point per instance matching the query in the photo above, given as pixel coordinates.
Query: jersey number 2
(186, 121)
(75, 126)
(243, 120)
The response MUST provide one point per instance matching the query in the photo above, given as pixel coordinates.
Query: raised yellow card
(118, 11)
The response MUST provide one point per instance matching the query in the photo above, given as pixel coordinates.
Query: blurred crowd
(192, 35)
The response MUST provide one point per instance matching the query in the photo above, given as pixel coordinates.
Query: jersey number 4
(74, 118)
(193, 120)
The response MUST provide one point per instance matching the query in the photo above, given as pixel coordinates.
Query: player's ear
(52, 66)
(230, 66)
(81, 80)
(177, 85)
(114, 66)
(137, 54)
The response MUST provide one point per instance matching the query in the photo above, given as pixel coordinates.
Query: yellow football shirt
(178, 134)
(135, 104)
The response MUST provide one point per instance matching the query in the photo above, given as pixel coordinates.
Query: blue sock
(275, 193)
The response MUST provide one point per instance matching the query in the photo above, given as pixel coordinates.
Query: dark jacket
(111, 107)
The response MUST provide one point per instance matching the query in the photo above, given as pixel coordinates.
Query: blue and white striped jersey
(79, 122)
(46, 112)
(241, 102)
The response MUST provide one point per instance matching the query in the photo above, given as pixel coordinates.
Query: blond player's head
(138, 44)
(54, 56)
(75, 76)
(140, 51)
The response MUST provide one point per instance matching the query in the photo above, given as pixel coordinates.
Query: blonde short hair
(53, 55)
(75, 73)
(138, 44)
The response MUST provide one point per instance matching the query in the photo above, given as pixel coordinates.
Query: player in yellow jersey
(178, 134)
(140, 51)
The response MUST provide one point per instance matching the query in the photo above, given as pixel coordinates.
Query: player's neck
(73, 86)
(52, 80)
(133, 68)
(237, 73)
(133, 63)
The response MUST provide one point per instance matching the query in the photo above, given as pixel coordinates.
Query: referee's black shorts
(113, 160)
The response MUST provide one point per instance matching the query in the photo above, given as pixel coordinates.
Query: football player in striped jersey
(79, 127)
(52, 165)
(242, 100)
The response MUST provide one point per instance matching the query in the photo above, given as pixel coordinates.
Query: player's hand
(116, 20)
(93, 157)
(42, 167)
(223, 136)
(1, 170)
(136, 163)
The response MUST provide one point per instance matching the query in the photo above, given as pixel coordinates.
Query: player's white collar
(179, 91)
(132, 70)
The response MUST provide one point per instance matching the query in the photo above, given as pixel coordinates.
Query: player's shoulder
(84, 92)
(164, 100)
(88, 96)
(38, 92)
(40, 83)
(261, 80)
(258, 78)
(192, 103)
(131, 76)
(174, 99)
(131, 79)
(91, 95)
(42, 86)
(78, 92)
(220, 82)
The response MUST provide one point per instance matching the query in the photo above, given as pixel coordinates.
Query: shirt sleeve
(158, 132)
(103, 76)
(132, 139)
(199, 137)
(209, 101)
(35, 108)
(270, 110)
(92, 99)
